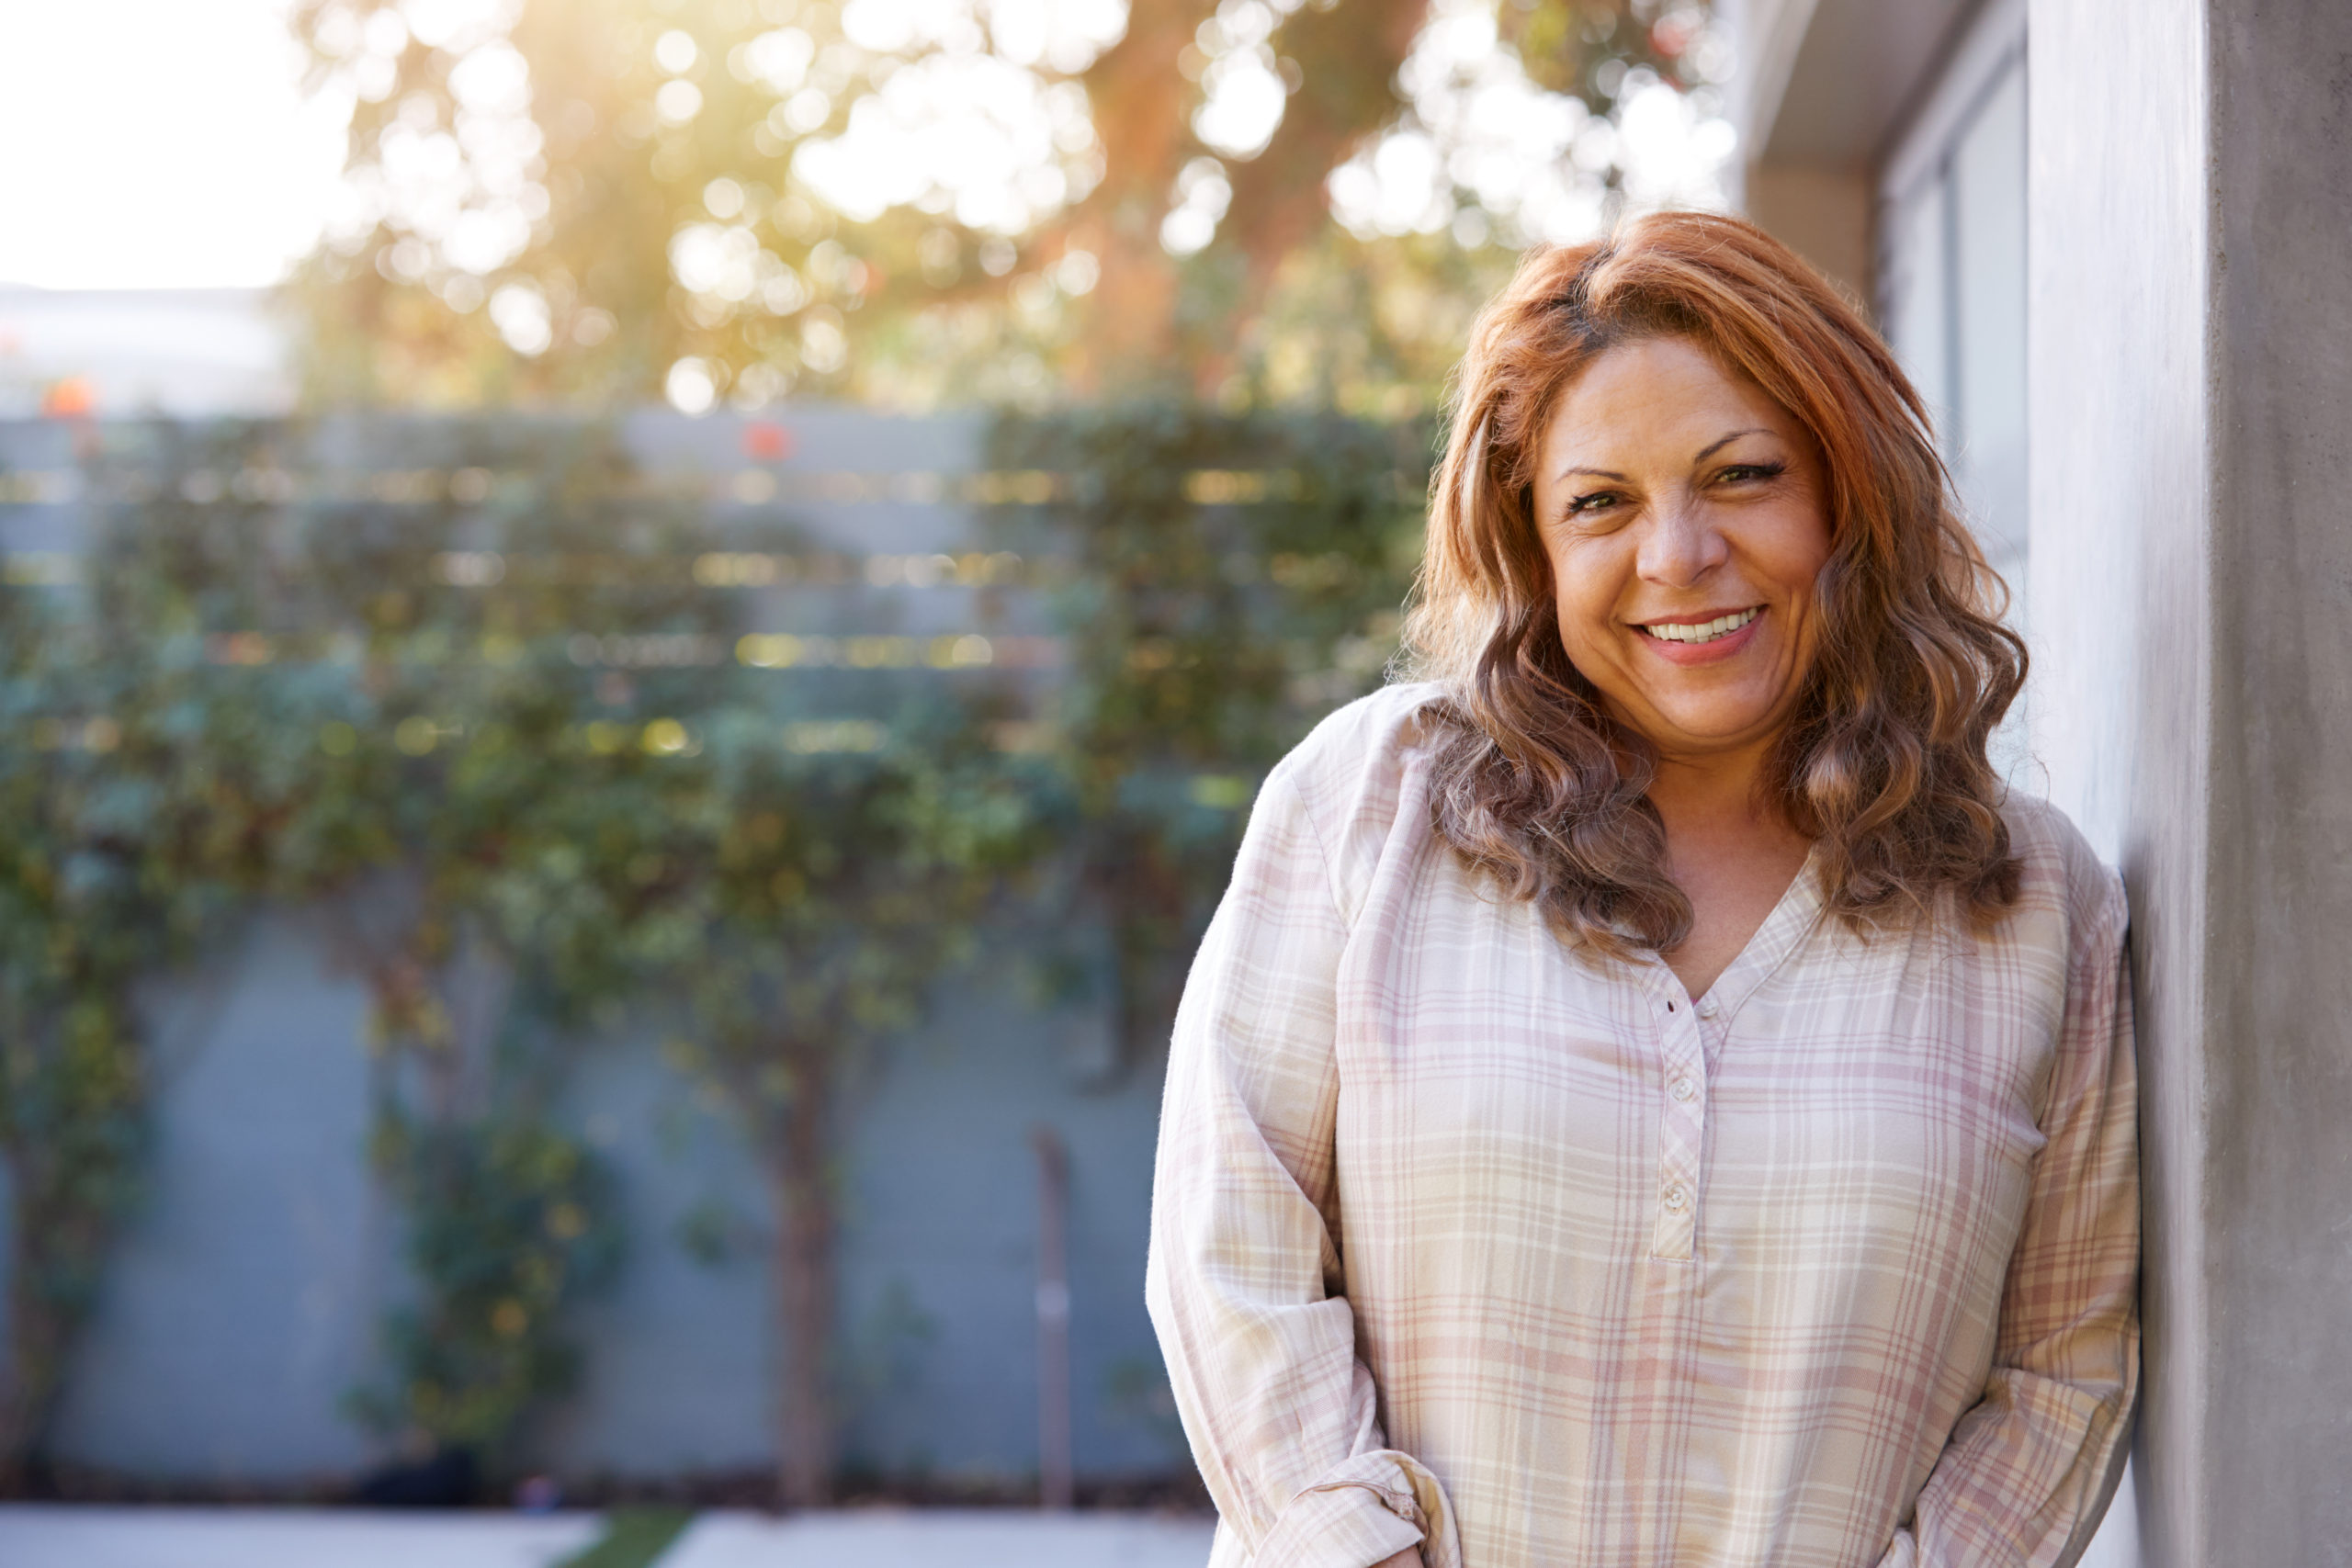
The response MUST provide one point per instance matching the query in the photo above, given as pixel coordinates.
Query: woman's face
(1683, 509)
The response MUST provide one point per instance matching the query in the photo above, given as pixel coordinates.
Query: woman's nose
(1678, 545)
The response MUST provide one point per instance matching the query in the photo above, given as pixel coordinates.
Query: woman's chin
(1699, 728)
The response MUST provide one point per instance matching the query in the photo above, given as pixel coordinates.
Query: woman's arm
(2028, 1469)
(1244, 1280)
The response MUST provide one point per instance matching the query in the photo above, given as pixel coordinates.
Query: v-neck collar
(1791, 919)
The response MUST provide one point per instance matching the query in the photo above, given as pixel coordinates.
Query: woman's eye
(1739, 473)
(1593, 500)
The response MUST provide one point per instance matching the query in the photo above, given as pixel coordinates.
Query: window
(1955, 304)
(1952, 297)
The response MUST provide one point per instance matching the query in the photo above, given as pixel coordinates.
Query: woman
(1651, 1098)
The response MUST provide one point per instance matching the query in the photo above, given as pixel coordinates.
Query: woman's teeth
(1701, 631)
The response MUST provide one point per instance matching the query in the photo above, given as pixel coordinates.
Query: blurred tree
(79, 927)
(342, 666)
(604, 200)
(500, 931)
(360, 730)
(1232, 579)
(832, 892)
(131, 777)
(461, 692)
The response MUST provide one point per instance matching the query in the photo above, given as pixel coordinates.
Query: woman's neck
(1731, 851)
(1706, 799)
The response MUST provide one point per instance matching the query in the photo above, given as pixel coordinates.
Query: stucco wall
(243, 1302)
(2278, 1181)
(2191, 167)
(2116, 362)
(243, 1306)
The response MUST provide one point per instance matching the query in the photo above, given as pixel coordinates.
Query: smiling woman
(1650, 1097)
(1692, 551)
(1681, 424)
(1680, 509)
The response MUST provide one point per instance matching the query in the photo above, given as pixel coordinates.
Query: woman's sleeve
(2030, 1469)
(1244, 1280)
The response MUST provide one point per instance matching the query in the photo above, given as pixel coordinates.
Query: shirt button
(1682, 1088)
(1707, 1008)
(1676, 1197)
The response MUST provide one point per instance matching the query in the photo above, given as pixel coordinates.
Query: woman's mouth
(1702, 632)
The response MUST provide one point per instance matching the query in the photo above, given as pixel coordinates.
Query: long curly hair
(1883, 762)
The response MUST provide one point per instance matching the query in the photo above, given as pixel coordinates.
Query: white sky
(157, 144)
(166, 143)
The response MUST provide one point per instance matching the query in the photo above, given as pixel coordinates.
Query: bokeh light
(138, 120)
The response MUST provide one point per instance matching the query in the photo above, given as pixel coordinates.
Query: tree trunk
(1352, 52)
(799, 1161)
(40, 1329)
(1131, 317)
(1147, 907)
(20, 1373)
(1057, 1485)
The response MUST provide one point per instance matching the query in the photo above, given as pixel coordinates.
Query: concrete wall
(2279, 1183)
(2115, 359)
(243, 1305)
(2191, 168)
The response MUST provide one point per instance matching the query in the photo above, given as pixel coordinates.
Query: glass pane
(1919, 318)
(1988, 234)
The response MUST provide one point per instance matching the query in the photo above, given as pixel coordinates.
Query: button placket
(1681, 1134)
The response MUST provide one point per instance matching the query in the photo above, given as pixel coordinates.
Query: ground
(43, 1536)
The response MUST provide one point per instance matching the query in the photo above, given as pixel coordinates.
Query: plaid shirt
(1462, 1236)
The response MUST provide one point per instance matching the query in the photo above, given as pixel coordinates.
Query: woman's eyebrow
(1712, 448)
(1726, 441)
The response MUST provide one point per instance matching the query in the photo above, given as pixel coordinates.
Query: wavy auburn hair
(1883, 762)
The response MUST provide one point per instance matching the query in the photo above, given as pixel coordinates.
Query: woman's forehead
(1655, 396)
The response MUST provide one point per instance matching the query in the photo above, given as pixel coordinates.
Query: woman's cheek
(1584, 598)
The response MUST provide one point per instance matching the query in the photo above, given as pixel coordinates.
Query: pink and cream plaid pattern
(1464, 1238)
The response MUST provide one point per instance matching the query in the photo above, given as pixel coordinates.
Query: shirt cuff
(1364, 1510)
(1904, 1553)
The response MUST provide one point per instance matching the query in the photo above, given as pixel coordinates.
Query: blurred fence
(554, 938)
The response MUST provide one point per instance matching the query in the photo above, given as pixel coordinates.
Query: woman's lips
(1712, 651)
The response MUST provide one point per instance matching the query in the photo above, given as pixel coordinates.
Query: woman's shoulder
(1353, 776)
(1360, 747)
(2058, 869)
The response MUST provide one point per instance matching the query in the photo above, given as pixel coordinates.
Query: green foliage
(115, 810)
(1233, 578)
(359, 668)
(825, 893)
(633, 1538)
(1586, 47)
(886, 1349)
(510, 1224)
(357, 727)
(823, 897)
(340, 665)
(565, 201)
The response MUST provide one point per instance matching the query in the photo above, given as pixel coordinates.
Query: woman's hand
(1409, 1558)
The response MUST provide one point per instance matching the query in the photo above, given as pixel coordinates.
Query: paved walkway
(938, 1538)
(65, 1536)
(46, 1536)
